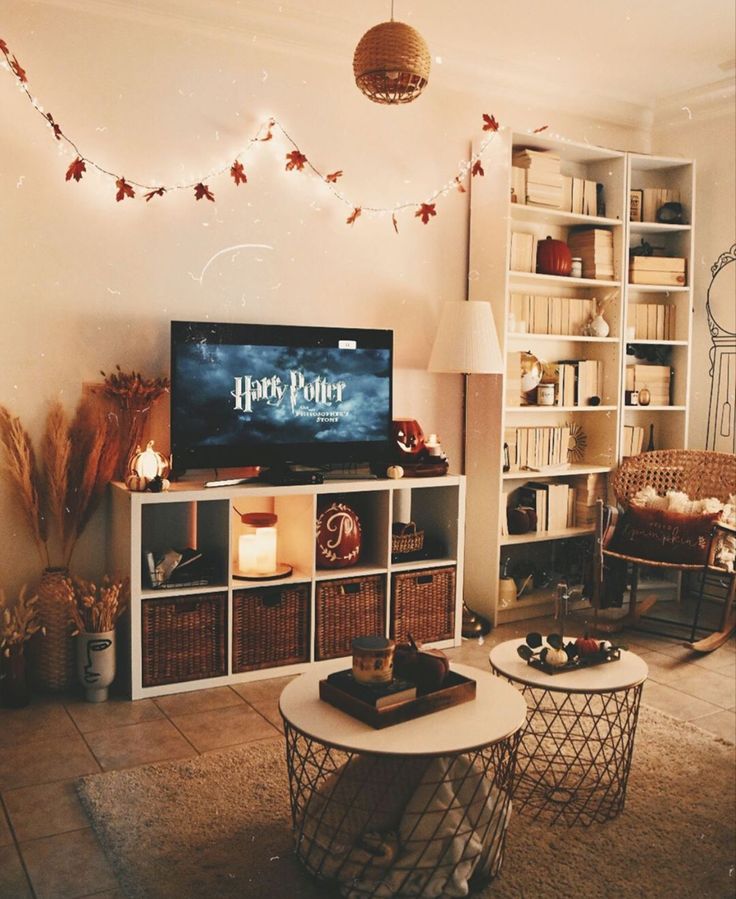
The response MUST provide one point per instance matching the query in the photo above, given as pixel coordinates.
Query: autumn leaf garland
(296, 161)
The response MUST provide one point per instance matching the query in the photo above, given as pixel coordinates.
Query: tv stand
(219, 630)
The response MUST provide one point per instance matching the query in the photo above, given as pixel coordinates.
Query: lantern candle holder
(257, 546)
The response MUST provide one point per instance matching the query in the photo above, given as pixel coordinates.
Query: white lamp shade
(466, 342)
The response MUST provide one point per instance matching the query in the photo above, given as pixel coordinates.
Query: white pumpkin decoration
(557, 658)
(148, 463)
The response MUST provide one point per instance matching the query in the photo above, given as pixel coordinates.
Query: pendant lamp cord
(392, 10)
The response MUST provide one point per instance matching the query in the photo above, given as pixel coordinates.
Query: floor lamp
(467, 344)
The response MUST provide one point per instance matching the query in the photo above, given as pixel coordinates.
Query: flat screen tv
(270, 395)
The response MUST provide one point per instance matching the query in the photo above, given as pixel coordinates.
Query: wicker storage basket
(270, 627)
(423, 604)
(348, 608)
(184, 638)
(406, 538)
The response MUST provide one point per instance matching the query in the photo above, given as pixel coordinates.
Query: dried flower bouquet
(94, 611)
(134, 397)
(19, 622)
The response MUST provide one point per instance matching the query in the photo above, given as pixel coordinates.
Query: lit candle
(257, 546)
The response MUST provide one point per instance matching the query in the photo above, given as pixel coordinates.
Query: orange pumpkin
(553, 257)
(587, 646)
(408, 437)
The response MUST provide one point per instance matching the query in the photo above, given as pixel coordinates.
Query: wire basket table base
(399, 825)
(575, 754)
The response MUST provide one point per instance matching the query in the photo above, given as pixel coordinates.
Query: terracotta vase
(96, 664)
(14, 688)
(53, 652)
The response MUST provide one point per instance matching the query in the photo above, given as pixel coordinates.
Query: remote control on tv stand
(232, 482)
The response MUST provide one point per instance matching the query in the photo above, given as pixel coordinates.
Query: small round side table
(419, 808)
(575, 751)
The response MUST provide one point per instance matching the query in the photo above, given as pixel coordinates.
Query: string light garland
(296, 161)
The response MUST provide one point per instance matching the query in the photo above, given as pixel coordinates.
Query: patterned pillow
(663, 535)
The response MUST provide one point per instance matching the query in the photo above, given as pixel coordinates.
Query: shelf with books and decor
(657, 303)
(554, 426)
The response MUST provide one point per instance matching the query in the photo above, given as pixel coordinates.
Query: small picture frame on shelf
(636, 201)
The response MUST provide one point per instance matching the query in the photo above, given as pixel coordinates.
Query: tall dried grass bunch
(19, 621)
(59, 497)
(93, 610)
(134, 397)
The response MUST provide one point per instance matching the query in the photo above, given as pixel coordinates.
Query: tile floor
(47, 849)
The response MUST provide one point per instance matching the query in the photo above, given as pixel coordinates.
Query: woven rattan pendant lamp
(391, 62)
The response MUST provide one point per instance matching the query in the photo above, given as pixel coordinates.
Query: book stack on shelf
(542, 180)
(654, 321)
(632, 440)
(523, 256)
(654, 198)
(538, 449)
(657, 379)
(595, 247)
(580, 195)
(588, 490)
(669, 271)
(550, 315)
(577, 380)
(552, 503)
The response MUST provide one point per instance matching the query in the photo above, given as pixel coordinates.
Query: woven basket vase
(53, 657)
(391, 63)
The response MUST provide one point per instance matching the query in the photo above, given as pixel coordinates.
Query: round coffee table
(407, 810)
(575, 751)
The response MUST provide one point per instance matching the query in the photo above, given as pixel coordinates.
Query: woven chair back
(699, 473)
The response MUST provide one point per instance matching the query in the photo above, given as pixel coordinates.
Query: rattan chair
(700, 474)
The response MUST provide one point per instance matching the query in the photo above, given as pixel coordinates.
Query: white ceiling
(636, 52)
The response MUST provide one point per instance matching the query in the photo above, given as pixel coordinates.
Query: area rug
(219, 826)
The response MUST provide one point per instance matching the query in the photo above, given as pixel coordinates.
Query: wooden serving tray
(579, 662)
(456, 689)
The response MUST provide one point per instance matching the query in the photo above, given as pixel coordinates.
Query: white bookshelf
(189, 515)
(492, 408)
(491, 411)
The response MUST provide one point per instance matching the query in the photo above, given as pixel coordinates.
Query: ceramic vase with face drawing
(96, 664)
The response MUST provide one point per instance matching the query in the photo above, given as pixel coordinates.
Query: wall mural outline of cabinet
(721, 428)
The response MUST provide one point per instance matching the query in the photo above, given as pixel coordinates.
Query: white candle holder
(257, 559)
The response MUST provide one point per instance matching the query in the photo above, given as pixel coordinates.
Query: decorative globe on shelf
(531, 376)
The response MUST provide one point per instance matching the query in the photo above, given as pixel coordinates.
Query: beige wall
(706, 133)
(88, 282)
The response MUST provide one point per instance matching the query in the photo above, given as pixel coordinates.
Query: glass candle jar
(257, 545)
(577, 267)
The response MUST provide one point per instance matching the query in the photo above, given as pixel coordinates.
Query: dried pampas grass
(78, 462)
(19, 461)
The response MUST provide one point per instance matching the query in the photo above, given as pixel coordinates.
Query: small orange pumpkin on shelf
(553, 257)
